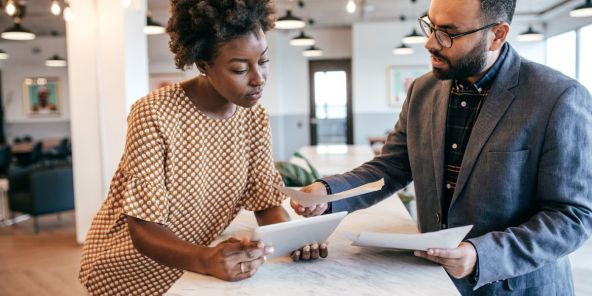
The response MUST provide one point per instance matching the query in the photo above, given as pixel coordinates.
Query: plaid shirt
(463, 109)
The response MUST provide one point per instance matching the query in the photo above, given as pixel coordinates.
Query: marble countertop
(348, 270)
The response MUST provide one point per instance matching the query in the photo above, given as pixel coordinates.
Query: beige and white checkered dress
(186, 171)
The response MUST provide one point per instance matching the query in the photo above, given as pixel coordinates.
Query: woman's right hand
(224, 261)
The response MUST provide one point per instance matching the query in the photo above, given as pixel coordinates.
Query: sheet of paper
(309, 199)
(443, 239)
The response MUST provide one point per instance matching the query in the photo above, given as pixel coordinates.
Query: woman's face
(238, 72)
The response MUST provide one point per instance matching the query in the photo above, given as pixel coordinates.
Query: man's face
(468, 55)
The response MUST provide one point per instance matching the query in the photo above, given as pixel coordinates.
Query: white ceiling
(325, 13)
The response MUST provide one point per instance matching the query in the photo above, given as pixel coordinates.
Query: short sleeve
(261, 193)
(145, 195)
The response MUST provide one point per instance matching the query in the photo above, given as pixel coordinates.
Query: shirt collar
(487, 79)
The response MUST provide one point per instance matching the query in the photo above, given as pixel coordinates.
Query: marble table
(336, 159)
(348, 270)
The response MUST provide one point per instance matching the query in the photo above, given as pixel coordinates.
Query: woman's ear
(202, 66)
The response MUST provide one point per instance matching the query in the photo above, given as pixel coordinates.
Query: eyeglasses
(444, 38)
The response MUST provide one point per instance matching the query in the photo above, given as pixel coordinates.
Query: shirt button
(448, 186)
(463, 104)
(454, 146)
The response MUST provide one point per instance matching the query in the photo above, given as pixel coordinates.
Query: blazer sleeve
(563, 193)
(392, 164)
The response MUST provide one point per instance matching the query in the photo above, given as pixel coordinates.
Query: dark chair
(5, 157)
(27, 138)
(41, 190)
(59, 152)
(31, 157)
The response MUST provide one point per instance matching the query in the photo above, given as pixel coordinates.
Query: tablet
(293, 235)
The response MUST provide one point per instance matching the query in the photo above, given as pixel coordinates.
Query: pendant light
(3, 55)
(17, 32)
(288, 22)
(152, 27)
(530, 35)
(56, 61)
(414, 38)
(582, 10)
(402, 50)
(312, 51)
(302, 40)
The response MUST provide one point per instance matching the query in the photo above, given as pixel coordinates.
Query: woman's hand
(311, 252)
(235, 260)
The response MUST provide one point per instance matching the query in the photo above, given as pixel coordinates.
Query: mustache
(438, 55)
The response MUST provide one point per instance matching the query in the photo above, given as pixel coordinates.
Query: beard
(470, 65)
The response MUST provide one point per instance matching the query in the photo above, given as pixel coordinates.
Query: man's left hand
(459, 262)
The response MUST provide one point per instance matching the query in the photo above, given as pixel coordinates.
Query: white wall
(23, 63)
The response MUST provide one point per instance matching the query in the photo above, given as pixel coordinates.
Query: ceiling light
(402, 50)
(152, 27)
(289, 21)
(414, 38)
(55, 7)
(582, 10)
(530, 35)
(312, 51)
(3, 55)
(10, 8)
(351, 6)
(17, 32)
(68, 15)
(56, 61)
(302, 40)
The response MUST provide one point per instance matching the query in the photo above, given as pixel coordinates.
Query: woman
(196, 153)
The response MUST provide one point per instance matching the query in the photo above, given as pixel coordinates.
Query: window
(585, 58)
(561, 53)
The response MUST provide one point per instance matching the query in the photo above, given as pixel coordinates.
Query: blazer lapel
(495, 105)
(439, 111)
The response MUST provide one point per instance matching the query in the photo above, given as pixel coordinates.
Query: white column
(108, 69)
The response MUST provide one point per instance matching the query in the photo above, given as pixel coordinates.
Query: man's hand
(311, 252)
(459, 262)
(316, 188)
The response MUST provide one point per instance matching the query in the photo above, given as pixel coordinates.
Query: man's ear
(500, 34)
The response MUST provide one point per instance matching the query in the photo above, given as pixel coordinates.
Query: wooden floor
(47, 263)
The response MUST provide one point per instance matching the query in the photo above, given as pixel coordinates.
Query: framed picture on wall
(399, 80)
(41, 96)
(158, 80)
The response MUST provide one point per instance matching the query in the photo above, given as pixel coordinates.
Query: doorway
(331, 119)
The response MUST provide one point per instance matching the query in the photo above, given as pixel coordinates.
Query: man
(493, 140)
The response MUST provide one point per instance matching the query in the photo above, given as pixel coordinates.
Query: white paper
(443, 239)
(310, 199)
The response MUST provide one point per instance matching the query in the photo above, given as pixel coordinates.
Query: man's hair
(498, 10)
(197, 27)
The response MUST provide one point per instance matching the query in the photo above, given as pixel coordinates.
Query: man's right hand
(315, 188)
(235, 260)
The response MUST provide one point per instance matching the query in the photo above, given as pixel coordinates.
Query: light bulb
(55, 7)
(68, 15)
(351, 6)
(10, 8)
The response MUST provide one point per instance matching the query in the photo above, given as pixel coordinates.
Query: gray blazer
(525, 181)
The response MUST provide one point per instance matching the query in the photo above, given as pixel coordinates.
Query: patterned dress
(183, 170)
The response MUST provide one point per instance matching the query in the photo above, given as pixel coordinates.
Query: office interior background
(94, 58)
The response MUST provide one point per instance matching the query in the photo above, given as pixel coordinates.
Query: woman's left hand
(311, 252)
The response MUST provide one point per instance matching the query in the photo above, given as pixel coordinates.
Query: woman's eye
(239, 71)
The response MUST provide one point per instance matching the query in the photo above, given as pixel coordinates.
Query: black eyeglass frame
(451, 36)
